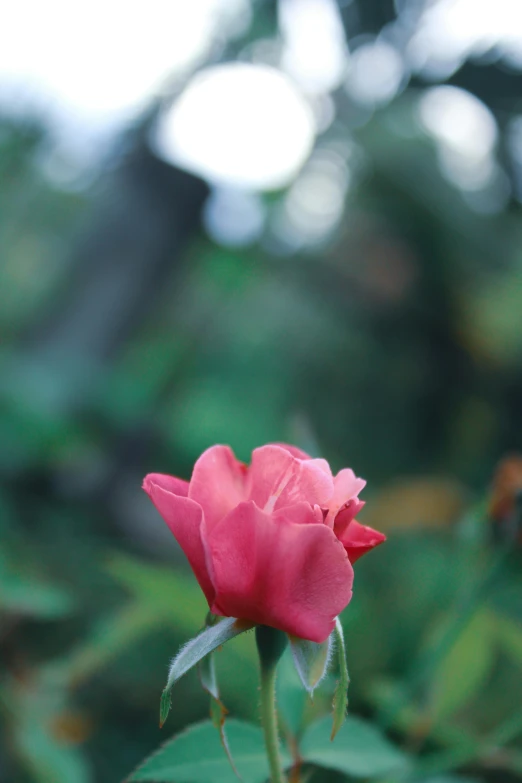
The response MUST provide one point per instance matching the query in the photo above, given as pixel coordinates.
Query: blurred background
(243, 221)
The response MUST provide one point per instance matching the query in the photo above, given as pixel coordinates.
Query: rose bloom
(272, 543)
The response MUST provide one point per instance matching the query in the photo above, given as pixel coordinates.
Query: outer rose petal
(266, 569)
(359, 539)
(217, 483)
(170, 483)
(277, 479)
(293, 450)
(186, 521)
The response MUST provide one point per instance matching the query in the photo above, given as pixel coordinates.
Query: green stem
(269, 721)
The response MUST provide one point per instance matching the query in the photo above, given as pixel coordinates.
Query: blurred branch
(132, 245)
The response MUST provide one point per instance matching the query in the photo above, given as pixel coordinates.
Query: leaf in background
(38, 715)
(23, 594)
(411, 718)
(508, 632)
(340, 699)
(48, 760)
(161, 596)
(156, 591)
(196, 756)
(158, 587)
(291, 697)
(311, 660)
(359, 750)
(451, 779)
(464, 669)
(195, 650)
(30, 597)
(218, 711)
(109, 638)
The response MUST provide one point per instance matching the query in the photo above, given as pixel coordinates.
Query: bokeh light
(450, 31)
(466, 132)
(376, 73)
(239, 124)
(314, 52)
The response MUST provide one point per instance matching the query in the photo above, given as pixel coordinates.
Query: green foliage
(23, 594)
(195, 650)
(340, 700)
(218, 711)
(509, 636)
(451, 779)
(463, 671)
(181, 760)
(49, 761)
(359, 749)
(40, 719)
(291, 696)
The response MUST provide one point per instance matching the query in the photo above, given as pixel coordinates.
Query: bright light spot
(459, 120)
(315, 52)
(323, 108)
(314, 204)
(240, 125)
(450, 31)
(376, 73)
(234, 217)
(94, 66)
(466, 133)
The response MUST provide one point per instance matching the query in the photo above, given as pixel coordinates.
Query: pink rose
(272, 543)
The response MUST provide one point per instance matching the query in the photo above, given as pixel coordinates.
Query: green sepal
(195, 650)
(311, 660)
(165, 704)
(340, 699)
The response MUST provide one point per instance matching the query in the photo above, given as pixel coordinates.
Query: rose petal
(277, 479)
(346, 487)
(185, 519)
(359, 539)
(293, 450)
(217, 483)
(346, 516)
(169, 483)
(269, 570)
(300, 514)
(320, 515)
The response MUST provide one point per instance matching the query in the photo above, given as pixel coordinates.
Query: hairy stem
(269, 721)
